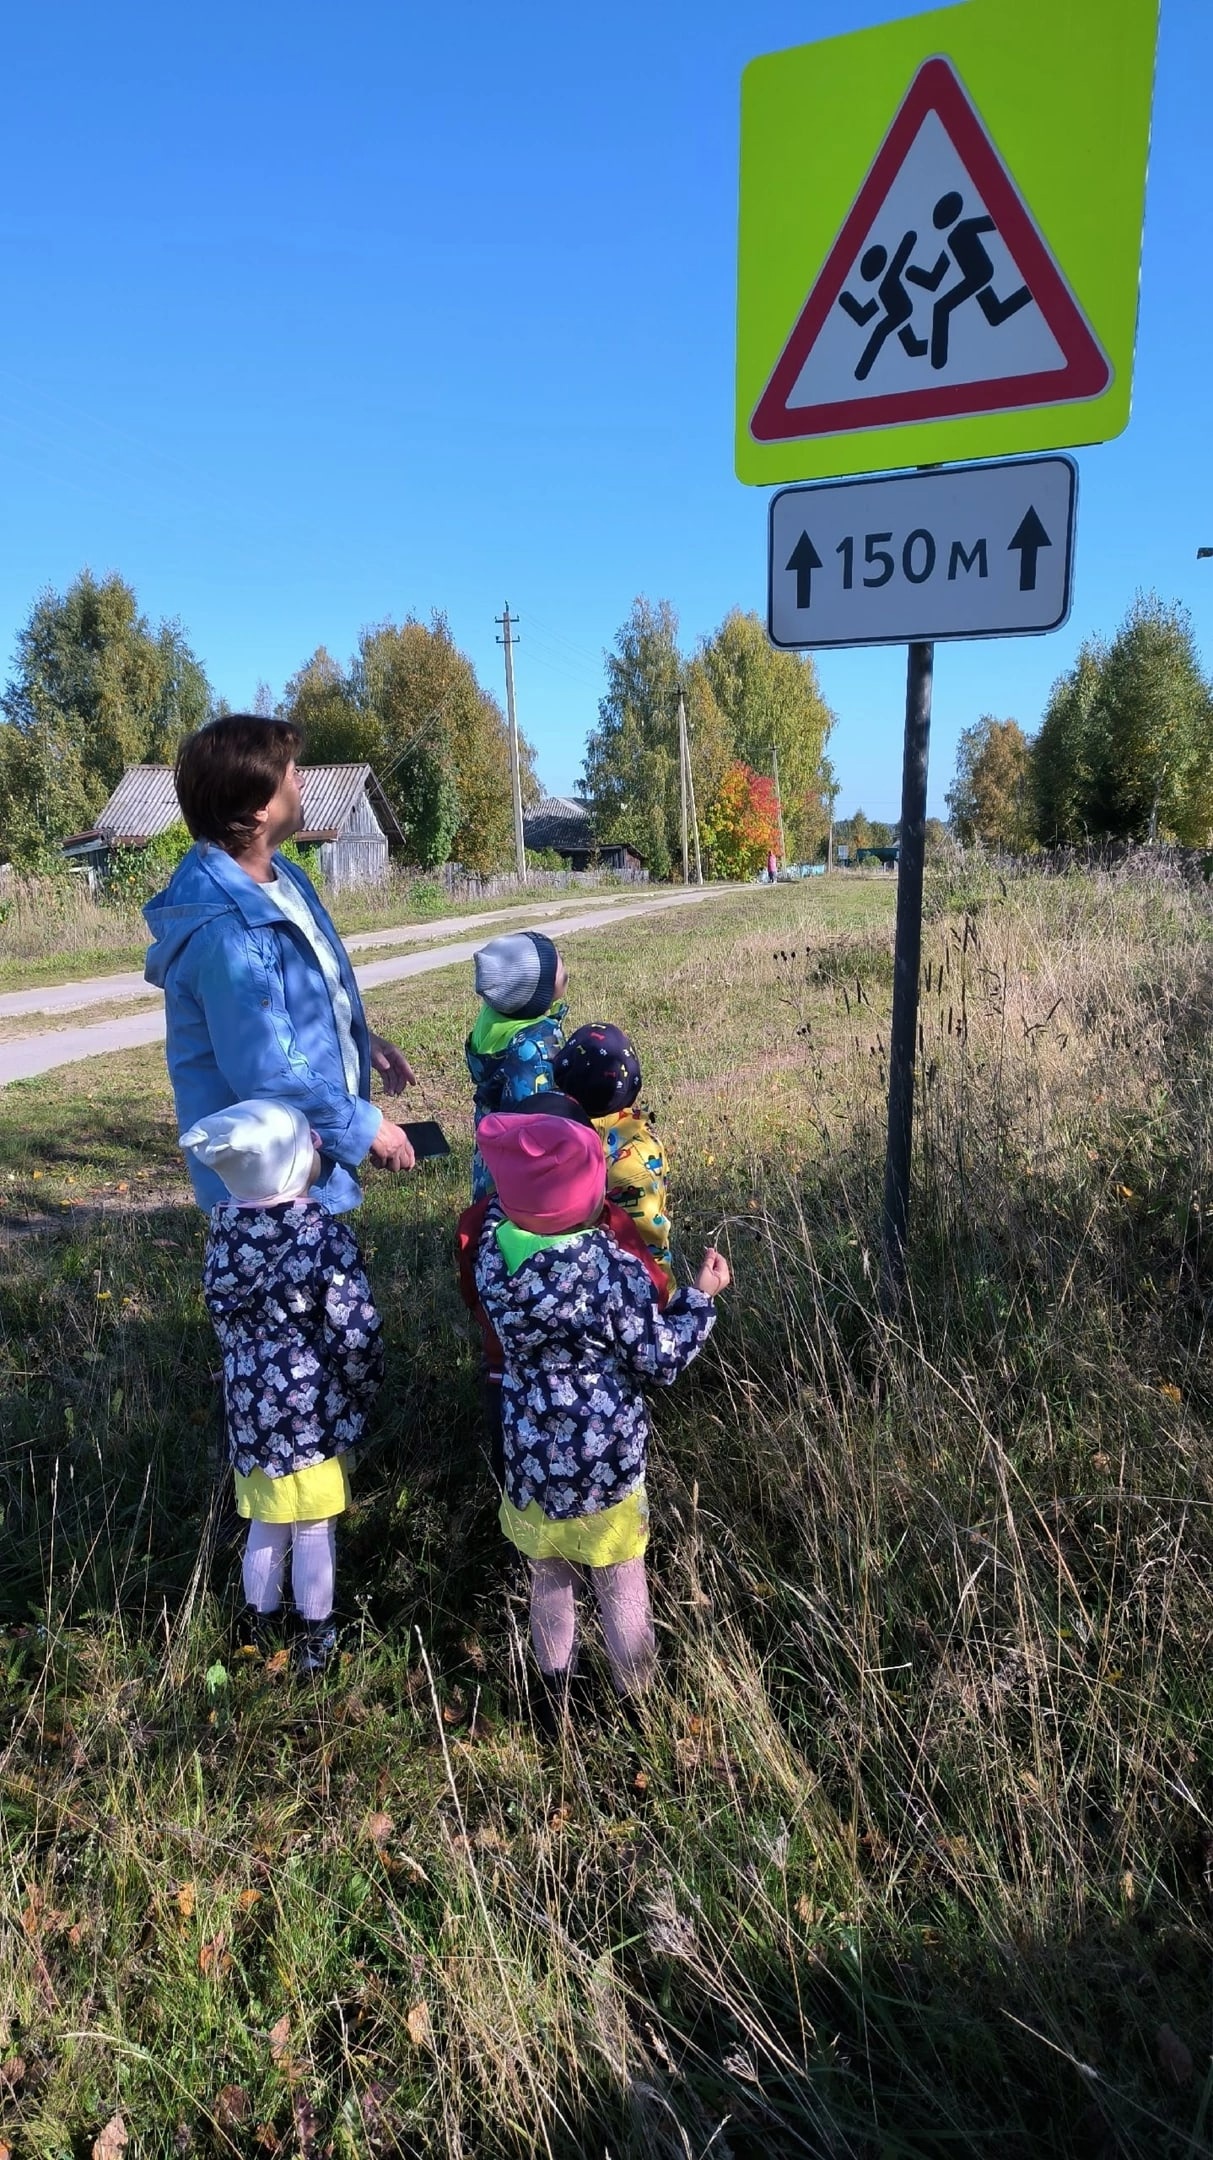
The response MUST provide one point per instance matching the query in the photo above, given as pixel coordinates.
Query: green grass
(912, 1857)
(52, 932)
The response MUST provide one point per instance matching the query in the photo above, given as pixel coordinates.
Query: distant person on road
(302, 1348)
(260, 997)
(772, 868)
(518, 1030)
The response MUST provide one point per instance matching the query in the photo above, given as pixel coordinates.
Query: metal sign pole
(907, 955)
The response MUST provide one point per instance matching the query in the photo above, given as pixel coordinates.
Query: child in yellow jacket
(599, 1068)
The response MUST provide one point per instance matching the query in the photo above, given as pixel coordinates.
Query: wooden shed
(562, 824)
(346, 816)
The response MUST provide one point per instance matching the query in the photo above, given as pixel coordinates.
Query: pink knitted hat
(550, 1173)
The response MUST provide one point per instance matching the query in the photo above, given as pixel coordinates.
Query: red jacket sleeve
(468, 1232)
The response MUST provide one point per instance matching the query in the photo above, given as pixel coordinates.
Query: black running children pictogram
(892, 296)
(965, 252)
(976, 274)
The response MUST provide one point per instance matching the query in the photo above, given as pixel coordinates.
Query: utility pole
(507, 622)
(783, 848)
(694, 816)
(682, 785)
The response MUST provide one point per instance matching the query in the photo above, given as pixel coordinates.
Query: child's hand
(715, 1273)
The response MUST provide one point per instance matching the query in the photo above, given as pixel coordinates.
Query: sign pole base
(907, 955)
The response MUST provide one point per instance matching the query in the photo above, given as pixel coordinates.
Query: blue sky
(316, 316)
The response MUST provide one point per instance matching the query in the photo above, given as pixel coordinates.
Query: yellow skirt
(615, 1533)
(310, 1495)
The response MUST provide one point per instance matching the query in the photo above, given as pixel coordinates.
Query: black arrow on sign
(1029, 539)
(804, 559)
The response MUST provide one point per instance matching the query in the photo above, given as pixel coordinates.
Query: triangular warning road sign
(939, 298)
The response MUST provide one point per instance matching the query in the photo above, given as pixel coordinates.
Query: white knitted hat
(262, 1150)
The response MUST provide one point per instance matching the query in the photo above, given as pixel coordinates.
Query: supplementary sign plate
(972, 551)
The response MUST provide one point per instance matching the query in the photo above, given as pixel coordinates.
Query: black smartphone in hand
(427, 1140)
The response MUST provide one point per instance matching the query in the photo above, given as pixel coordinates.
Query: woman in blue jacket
(260, 998)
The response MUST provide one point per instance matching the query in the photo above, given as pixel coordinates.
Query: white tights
(313, 1550)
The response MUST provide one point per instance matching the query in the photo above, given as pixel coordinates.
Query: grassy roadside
(54, 936)
(912, 1860)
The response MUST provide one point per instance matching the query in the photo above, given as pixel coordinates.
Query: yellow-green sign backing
(940, 236)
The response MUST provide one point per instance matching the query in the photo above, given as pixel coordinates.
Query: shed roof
(562, 822)
(144, 804)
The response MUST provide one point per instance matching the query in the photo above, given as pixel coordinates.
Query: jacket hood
(205, 885)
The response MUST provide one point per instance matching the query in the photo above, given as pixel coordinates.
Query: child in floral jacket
(302, 1358)
(517, 1032)
(581, 1325)
(598, 1067)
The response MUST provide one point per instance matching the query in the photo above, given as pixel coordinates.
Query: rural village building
(563, 825)
(346, 815)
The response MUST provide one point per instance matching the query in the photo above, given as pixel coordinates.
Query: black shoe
(315, 1645)
(551, 1704)
(255, 1631)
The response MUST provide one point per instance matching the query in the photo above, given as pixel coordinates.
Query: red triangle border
(1087, 374)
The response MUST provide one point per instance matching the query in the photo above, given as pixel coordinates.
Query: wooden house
(562, 825)
(346, 817)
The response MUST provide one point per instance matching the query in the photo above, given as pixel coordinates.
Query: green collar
(517, 1245)
(493, 1030)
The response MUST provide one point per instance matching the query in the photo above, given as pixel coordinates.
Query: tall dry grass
(911, 1857)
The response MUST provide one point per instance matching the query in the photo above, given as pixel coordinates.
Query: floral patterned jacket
(302, 1342)
(580, 1325)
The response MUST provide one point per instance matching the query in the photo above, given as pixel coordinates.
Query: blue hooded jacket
(248, 1013)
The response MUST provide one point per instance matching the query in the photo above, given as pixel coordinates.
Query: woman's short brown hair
(228, 770)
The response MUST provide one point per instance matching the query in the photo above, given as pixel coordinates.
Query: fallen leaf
(232, 2107)
(1101, 1462)
(379, 1828)
(278, 1663)
(110, 2143)
(640, 1783)
(280, 2033)
(12, 2072)
(1175, 2058)
(214, 1957)
(1169, 1389)
(1128, 1888)
(421, 2032)
(247, 1899)
(185, 1900)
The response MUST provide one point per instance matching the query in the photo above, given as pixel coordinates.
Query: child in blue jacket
(518, 1030)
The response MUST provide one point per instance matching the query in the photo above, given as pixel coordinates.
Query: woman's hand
(715, 1273)
(392, 1066)
(391, 1148)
